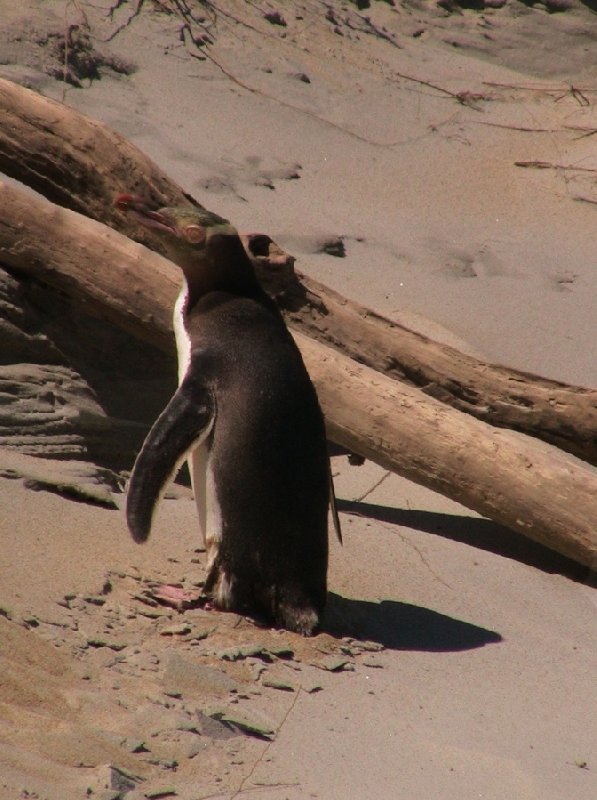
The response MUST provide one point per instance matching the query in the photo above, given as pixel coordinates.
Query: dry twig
(549, 165)
(582, 199)
(249, 775)
(586, 131)
(522, 128)
(537, 87)
(135, 13)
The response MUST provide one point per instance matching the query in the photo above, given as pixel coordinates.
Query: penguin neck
(223, 266)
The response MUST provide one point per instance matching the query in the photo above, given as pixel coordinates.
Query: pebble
(281, 651)
(176, 630)
(248, 725)
(293, 665)
(135, 746)
(163, 791)
(256, 651)
(245, 651)
(143, 598)
(213, 728)
(199, 636)
(334, 664)
(371, 662)
(371, 647)
(165, 763)
(123, 780)
(94, 642)
(312, 688)
(95, 600)
(333, 246)
(275, 17)
(281, 685)
(149, 614)
(196, 679)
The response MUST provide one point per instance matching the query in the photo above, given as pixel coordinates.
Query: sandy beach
(436, 162)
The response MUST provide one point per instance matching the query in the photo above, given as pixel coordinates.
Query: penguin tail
(334, 505)
(186, 421)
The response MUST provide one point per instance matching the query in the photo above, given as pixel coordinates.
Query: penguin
(247, 415)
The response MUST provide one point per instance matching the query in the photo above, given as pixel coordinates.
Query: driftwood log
(80, 164)
(529, 486)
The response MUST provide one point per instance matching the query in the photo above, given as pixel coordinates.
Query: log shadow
(478, 532)
(401, 626)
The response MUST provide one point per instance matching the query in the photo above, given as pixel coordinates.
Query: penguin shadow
(402, 626)
(478, 532)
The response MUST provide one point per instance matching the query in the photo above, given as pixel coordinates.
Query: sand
(457, 660)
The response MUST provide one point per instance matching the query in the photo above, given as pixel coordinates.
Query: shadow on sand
(483, 534)
(400, 626)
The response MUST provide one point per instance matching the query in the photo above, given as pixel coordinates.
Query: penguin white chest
(202, 479)
(183, 342)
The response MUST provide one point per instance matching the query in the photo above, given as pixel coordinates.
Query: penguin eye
(194, 234)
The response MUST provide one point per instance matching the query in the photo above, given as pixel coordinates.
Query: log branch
(524, 484)
(556, 412)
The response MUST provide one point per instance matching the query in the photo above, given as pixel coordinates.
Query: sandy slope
(485, 685)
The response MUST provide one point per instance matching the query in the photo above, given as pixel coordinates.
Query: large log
(80, 164)
(555, 412)
(529, 486)
(111, 276)
(73, 160)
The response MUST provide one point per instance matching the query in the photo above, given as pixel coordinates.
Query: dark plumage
(247, 399)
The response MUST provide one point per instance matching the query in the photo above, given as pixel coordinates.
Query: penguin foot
(175, 596)
(305, 621)
(286, 607)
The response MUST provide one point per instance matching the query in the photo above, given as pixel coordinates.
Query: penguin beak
(137, 208)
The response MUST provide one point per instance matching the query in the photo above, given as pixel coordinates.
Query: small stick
(535, 87)
(586, 131)
(549, 165)
(135, 13)
(517, 127)
(585, 199)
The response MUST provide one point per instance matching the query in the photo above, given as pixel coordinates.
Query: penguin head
(206, 247)
(187, 230)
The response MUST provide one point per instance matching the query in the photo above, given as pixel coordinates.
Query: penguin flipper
(185, 422)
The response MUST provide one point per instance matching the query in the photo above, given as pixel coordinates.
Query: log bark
(73, 160)
(80, 164)
(528, 486)
(91, 262)
(524, 484)
(558, 413)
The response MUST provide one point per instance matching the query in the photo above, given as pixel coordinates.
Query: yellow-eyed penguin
(248, 414)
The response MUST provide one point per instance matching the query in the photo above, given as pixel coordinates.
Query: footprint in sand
(230, 175)
(474, 262)
(563, 280)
